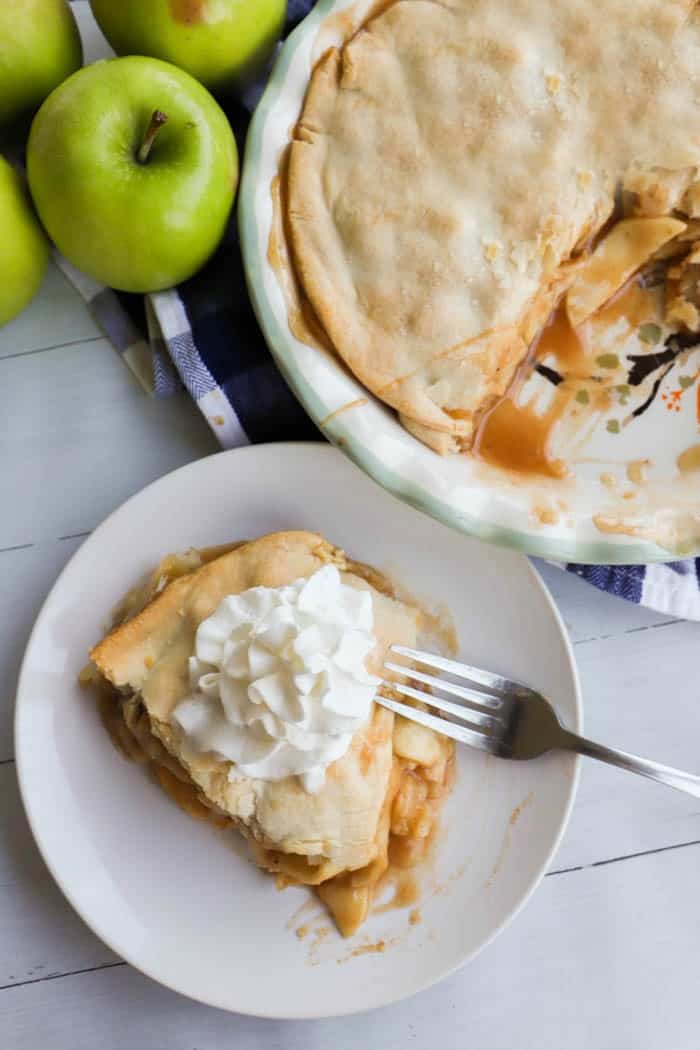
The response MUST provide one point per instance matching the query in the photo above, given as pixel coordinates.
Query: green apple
(220, 42)
(24, 249)
(133, 168)
(39, 47)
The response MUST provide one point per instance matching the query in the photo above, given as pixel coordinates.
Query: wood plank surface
(605, 958)
(606, 955)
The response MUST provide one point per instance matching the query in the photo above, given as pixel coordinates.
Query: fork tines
(479, 720)
(459, 670)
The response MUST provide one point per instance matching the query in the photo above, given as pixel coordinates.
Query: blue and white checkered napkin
(204, 335)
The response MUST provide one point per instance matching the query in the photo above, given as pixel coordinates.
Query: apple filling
(656, 237)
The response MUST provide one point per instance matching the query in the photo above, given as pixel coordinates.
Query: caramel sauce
(615, 526)
(517, 438)
(547, 515)
(365, 760)
(565, 343)
(301, 317)
(301, 916)
(689, 460)
(320, 934)
(507, 838)
(359, 402)
(378, 948)
(405, 890)
(517, 812)
(637, 471)
(437, 625)
(374, 737)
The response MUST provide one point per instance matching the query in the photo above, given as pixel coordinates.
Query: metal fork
(506, 718)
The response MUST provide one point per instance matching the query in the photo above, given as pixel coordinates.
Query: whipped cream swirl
(279, 682)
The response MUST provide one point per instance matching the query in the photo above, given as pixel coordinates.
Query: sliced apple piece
(349, 905)
(625, 249)
(415, 743)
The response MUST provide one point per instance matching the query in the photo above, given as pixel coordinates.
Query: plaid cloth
(204, 335)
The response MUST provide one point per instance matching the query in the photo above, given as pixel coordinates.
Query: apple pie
(461, 167)
(244, 677)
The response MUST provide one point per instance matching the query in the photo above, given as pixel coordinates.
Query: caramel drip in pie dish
(566, 344)
(404, 887)
(302, 320)
(517, 438)
(689, 460)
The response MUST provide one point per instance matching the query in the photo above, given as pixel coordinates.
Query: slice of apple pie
(245, 678)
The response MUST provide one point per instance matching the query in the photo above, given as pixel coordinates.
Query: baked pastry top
(453, 162)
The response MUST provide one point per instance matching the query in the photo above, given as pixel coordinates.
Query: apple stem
(156, 123)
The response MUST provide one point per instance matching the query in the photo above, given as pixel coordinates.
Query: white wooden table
(606, 955)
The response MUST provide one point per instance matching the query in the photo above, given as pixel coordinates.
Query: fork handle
(674, 778)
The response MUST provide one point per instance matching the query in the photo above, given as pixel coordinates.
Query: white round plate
(182, 901)
(606, 511)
